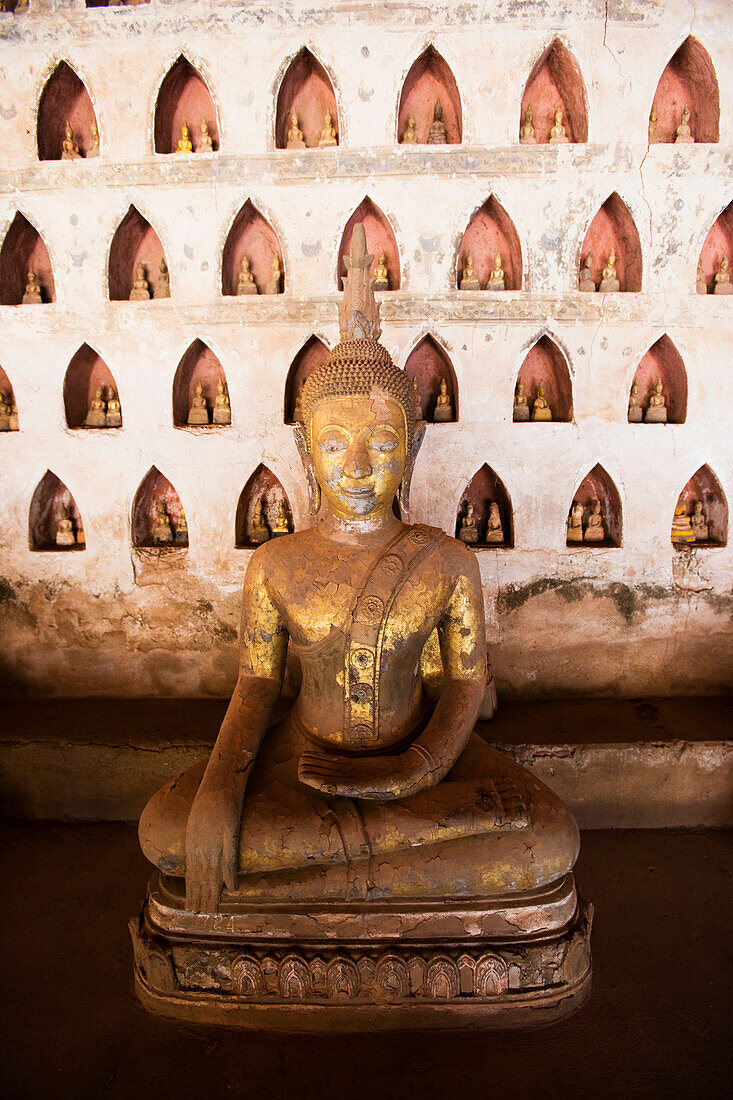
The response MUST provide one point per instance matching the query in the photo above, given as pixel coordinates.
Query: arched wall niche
(154, 489)
(251, 235)
(261, 485)
(135, 241)
(598, 485)
(689, 80)
(184, 98)
(379, 238)
(430, 79)
(311, 356)
(556, 81)
(54, 521)
(23, 250)
(198, 364)
(306, 89)
(717, 244)
(485, 488)
(115, 3)
(704, 486)
(663, 361)
(489, 231)
(428, 364)
(85, 374)
(11, 7)
(613, 229)
(8, 406)
(546, 365)
(64, 99)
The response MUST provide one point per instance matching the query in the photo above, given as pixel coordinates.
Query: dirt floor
(657, 1023)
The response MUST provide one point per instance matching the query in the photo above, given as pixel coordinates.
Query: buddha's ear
(409, 467)
(314, 489)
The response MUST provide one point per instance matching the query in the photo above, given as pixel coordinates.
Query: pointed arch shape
(51, 503)
(717, 244)
(8, 407)
(490, 230)
(311, 355)
(197, 364)
(662, 360)
(545, 362)
(64, 98)
(430, 78)
(252, 235)
(134, 241)
(380, 237)
(556, 81)
(306, 88)
(705, 487)
(599, 485)
(688, 80)
(427, 364)
(184, 96)
(23, 250)
(485, 488)
(155, 487)
(262, 484)
(85, 374)
(612, 228)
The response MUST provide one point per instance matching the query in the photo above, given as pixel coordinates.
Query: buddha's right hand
(212, 837)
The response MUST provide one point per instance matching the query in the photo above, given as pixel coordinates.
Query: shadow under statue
(361, 859)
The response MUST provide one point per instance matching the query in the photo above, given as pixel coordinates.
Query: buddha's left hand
(379, 777)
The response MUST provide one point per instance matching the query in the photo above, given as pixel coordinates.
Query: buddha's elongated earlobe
(404, 493)
(314, 489)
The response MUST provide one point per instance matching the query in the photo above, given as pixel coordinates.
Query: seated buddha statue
(198, 410)
(469, 278)
(294, 139)
(437, 134)
(682, 530)
(381, 274)
(558, 136)
(443, 405)
(163, 285)
(93, 150)
(185, 144)
(699, 522)
(274, 283)
(684, 132)
(540, 409)
(594, 528)
(205, 143)
(222, 406)
(113, 416)
(701, 283)
(656, 412)
(14, 425)
(722, 279)
(140, 290)
(64, 528)
(468, 531)
(281, 524)
(575, 522)
(328, 133)
(163, 530)
(182, 530)
(494, 528)
(586, 282)
(69, 148)
(246, 283)
(526, 130)
(6, 409)
(418, 401)
(497, 278)
(97, 414)
(409, 137)
(32, 292)
(259, 532)
(521, 405)
(609, 279)
(636, 413)
(359, 848)
(653, 138)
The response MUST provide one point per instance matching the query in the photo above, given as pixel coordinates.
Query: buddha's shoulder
(455, 555)
(283, 550)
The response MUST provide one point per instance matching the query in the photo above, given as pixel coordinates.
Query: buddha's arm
(212, 834)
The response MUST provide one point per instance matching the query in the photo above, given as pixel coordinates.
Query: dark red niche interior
(262, 483)
(184, 97)
(665, 362)
(251, 235)
(198, 364)
(613, 228)
(6, 389)
(484, 487)
(597, 485)
(64, 99)
(11, 5)
(311, 356)
(428, 363)
(23, 248)
(545, 363)
(154, 487)
(115, 3)
(85, 373)
(556, 81)
(306, 89)
(689, 80)
(50, 495)
(430, 79)
(705, 486)
(379, 238)
(135, 241)
(718, 243)
(489, 231)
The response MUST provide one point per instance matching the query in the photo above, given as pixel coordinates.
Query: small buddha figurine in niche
(437, 135)
(272, 286)
(699, 522)
(684, 132)
(140, 290)
(259, 532)
(418, 401)
(97, 415)
(586, 282)
(653, 135)
(246, 283)
(443, 405)
(182, 530)
(656, 412)
(494, 529)
(595, 529)
(701, 284)
(163, 530)
(328, 134)
(609, 279)
(222, 407)
(281, 526)
(409, 136)
(163, 285)
(81, 539)
(497, 279)
(558, 135)
(521, 405)
(113, 416)
(32, 292)
(14, 425)
(69, 148)
(526, 130)
(541, 410)
(64, 528)
(93, 150)
(381, 274)
(682, 530)
(295, 139)
(468, 531)
(184, 142)
(469, 278)
(205, 144)
(575, 522)
(198, 412)
(722, 279)
(5, 412)
(636, 413)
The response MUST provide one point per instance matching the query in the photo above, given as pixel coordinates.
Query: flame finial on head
(358, 309)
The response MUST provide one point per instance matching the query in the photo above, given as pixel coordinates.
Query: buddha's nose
(357, 462)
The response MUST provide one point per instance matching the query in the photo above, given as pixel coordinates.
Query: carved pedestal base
(515, 961)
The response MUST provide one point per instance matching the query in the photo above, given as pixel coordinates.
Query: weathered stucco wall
(640, 618)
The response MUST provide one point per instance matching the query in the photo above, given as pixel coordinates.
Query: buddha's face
(359, 451)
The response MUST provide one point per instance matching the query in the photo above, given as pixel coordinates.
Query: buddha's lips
(364, 491)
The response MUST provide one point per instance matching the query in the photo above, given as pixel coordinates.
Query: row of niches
(484, 519)
(200, 391)
(488, 259)
(554, 106)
